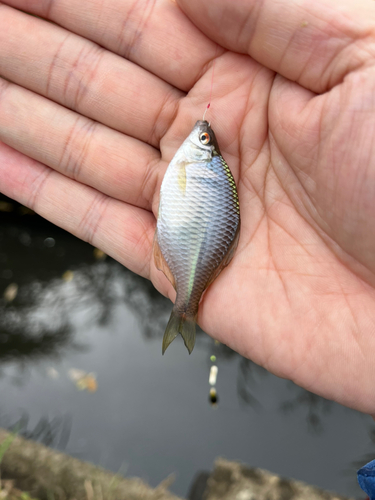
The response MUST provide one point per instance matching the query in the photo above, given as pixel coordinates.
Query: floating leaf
(99, 254)
(10, 292)
(68, 276)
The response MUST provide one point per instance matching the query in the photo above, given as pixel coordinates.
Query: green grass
(10, 493)
(5, 445)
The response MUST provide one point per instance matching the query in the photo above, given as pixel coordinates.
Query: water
(150, 416)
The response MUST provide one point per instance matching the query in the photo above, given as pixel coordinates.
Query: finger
(84, 150)
(82, 76)
(313, 43)
(122, 231)
(155, 35)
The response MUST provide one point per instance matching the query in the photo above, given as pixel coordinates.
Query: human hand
(88, 132)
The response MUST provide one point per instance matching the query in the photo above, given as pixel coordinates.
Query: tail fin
(179, 323)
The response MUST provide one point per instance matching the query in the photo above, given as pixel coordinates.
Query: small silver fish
(198, 226)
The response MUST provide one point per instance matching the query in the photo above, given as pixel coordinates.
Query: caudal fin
(179, 323)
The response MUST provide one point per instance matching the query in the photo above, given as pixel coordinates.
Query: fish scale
(197, 228)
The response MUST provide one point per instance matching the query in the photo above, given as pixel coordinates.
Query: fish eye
(205, 138)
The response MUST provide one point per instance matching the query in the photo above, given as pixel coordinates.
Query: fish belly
(197, 222)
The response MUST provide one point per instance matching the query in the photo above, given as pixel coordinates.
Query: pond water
(81, 370)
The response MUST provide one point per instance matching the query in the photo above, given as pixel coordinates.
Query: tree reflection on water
(54, 432)
(43, 320)
(316, 407)
(248, 375)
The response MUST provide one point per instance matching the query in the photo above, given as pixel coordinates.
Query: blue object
(366, 479)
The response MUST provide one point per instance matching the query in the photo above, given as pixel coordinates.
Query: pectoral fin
(160, 262)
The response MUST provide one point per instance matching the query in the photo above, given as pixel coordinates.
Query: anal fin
(161, 263)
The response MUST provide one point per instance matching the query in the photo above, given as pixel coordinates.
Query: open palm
(93, 108)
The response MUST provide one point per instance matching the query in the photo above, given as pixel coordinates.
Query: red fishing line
(212, 84)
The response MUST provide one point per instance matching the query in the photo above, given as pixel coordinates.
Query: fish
(198, 227)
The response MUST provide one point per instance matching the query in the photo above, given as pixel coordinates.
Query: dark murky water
(81, 370)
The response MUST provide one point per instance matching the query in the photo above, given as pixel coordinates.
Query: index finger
(155, 35)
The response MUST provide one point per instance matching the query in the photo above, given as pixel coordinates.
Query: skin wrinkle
(306, 68)
(282, 123)
(137, 33)
(100, 14)
(232, 158)
(241, 132)
(250, 236)
(145, 243)
(316, 87)
(246, 180)
(269, 244)
(95, 55)
(357, 331)
(252, 22)
(333, 77)
(300, 244)
(309, 207)
(122, 45)
(278, 272)
(89, 128)
(36, 188)
(147, 197)
(266, 176)
(338, 29)
(246, 183)
(368, 56)
(368, 159)
(280, 201)
(91, 220)
(47, 10)
(55, 58)
(274, 354)
(151, 180)
(352, 40)
(156, 134)
(275, 200)
(331, 80)
(306, 275)
(286, 53)
(66, 152)
(72, 76)
(207, 66)
(332, 141)
(4, 86)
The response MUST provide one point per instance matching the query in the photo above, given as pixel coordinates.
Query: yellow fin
(160, 262)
